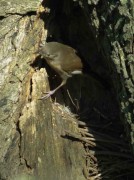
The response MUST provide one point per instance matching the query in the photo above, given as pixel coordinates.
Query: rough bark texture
(33, 137)
(116, 43)
(112, 24)
(32, 132)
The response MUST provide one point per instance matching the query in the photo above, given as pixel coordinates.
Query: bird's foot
(48, 94)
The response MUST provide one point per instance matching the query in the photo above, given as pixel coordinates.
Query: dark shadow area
(91, 96)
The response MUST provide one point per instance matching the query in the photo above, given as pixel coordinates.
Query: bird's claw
(48, 94)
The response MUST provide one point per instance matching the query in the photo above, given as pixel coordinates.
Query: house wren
(63, 59)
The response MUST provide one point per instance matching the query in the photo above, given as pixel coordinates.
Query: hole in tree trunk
(91, 96)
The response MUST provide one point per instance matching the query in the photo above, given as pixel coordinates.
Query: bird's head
(43, 50)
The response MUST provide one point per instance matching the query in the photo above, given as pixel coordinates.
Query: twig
(72, 100)
(76, 136)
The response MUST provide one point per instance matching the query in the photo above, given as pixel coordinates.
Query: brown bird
(63, 59)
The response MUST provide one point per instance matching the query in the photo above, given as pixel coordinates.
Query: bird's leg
(64, 76)
(48, 94)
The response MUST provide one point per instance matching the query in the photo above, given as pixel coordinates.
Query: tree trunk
(32, 132)
(112, 24)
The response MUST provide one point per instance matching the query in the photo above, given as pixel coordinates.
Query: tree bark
(117, 47)
(34, 143)
(32, 132)
(112, 25)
